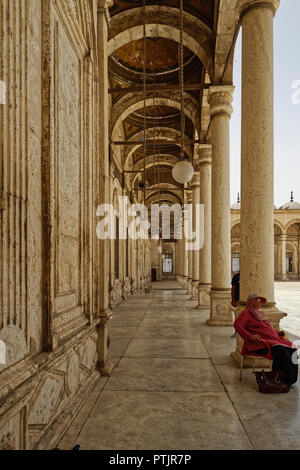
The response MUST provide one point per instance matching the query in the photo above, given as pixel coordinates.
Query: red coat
(246, 325)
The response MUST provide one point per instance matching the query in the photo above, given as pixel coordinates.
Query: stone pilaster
(103, 312)
(185, 260)
(179, 261)
(160, 260)
(204, 161)
(189, 255)
(220, 99)
(257, 203)
(195, 186)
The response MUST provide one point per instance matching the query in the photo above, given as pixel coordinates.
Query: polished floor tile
(156, 374)
(175, 386)
(176, 348)
(154, 420)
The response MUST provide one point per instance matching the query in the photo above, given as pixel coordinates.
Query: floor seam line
(233, 405)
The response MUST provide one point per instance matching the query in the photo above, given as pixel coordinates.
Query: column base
(195, 285)
(220, 308)
(105, 369)
(181, 279)
(103, 342)
(274, 316)
(184, 282)
(189, 286)
(203, 297)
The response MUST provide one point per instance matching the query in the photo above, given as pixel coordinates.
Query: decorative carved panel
(66, 191)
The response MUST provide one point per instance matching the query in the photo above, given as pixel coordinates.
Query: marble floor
(287, 296)
(175, 386)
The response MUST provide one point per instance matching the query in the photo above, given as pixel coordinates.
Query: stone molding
(47, 375)
(203, 296)
(244, 6)
(189, 197)
(221, 313)
(220, 99)
(195, 183)
(103, 7)
(131, 102)
(204, 155)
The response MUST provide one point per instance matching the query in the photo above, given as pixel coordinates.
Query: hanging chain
(157, 173)
(145, 116)
(181, 69)
(145, 92)
(154, 117)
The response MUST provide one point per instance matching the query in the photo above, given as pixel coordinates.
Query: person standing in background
(235, 293)
(235, 289)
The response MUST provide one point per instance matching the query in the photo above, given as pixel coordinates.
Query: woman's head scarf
(256, 313)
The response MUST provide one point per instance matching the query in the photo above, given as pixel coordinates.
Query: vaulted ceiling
(202, 9)
(161, 112)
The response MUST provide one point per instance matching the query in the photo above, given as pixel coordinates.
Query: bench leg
(241, 367)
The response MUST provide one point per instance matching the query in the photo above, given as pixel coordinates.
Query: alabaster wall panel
(67, 164)
(69, 160)
(12, 434)
(14, 182)
(47, 134)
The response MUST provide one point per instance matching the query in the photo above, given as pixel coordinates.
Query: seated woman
(254, 328)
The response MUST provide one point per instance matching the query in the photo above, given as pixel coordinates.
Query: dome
(237, 205)
(290, 205)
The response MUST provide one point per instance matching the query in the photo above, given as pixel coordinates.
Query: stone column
(185, 260)
(283, 257)
(185, 265)
(257, 203)
(179, 260)
(160, 259)
(195, 185)
(204, 159)
(103, 312)
(189, 255)
(220, 99)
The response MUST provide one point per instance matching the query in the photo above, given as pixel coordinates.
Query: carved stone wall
(47, 154)
(14, 188)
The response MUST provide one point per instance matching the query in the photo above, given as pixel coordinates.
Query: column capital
(204, 154)
(195, 183)
(283, 237)
(102, 4)
(220, 99)
(189, 197)
(103, 7)
(244, 6)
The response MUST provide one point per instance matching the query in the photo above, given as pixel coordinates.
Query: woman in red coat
(253, 327)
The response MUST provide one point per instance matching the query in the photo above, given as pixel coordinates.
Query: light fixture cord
(181, 72)
(144, 92)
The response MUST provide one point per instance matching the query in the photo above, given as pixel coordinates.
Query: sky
(287, 113)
